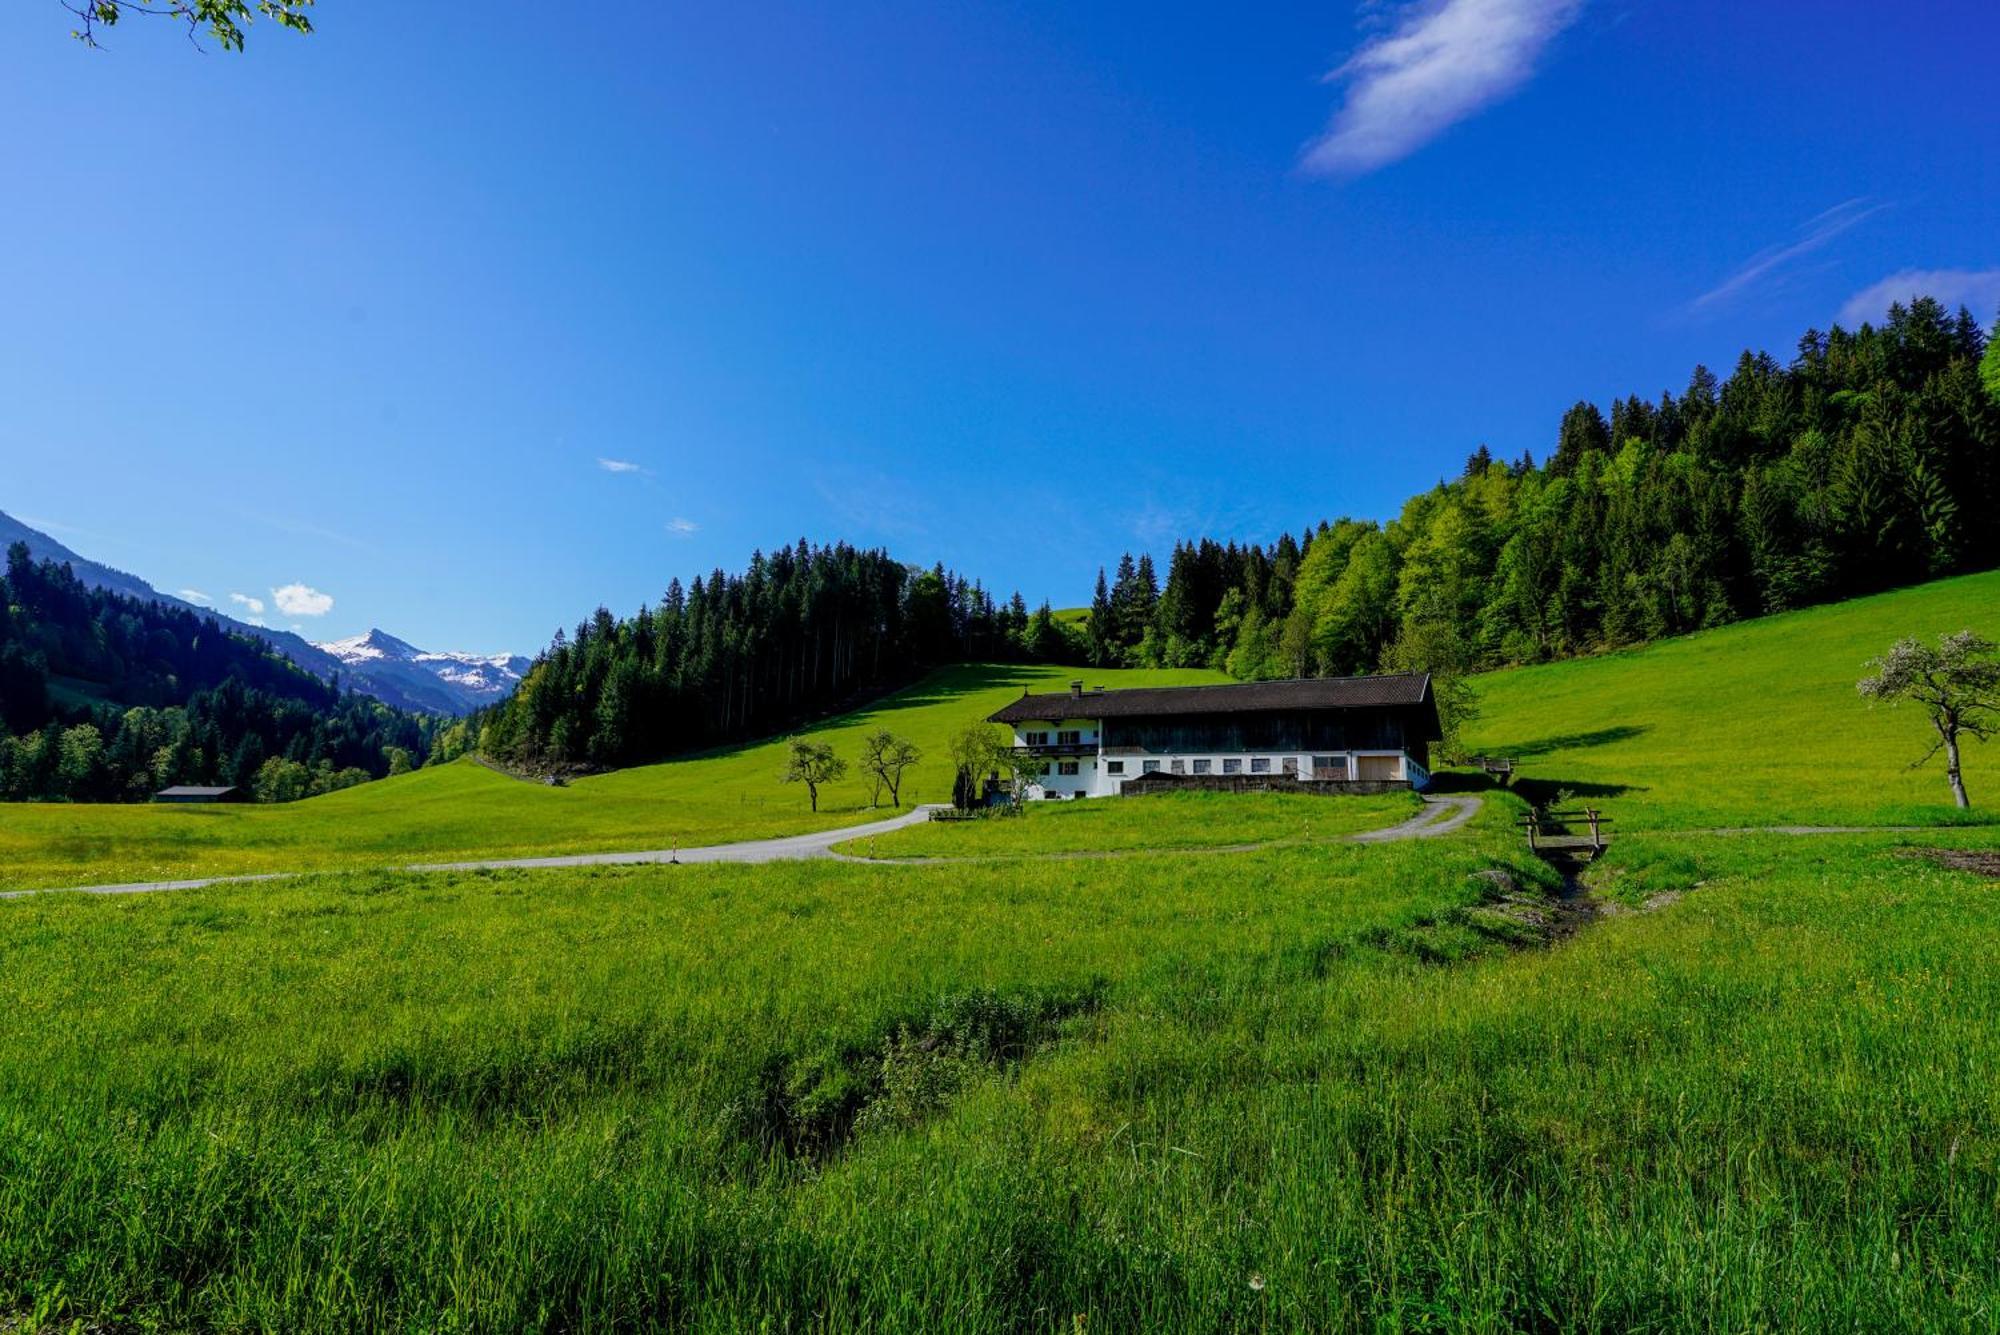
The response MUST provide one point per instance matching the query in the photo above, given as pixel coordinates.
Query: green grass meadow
(1155, 823)
(1309, 1086)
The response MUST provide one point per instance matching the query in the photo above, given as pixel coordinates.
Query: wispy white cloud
(303, 529)
(682, 528)
(1813, 234)
(301, 600)
(1443, 63)
(193, 596)
(619, 466)
(1978, 290)
(875, 504)
(254, 606)
(55, 526)
(1158, 526)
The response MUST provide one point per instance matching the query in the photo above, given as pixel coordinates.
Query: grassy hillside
(464, 810)
(1753, 724)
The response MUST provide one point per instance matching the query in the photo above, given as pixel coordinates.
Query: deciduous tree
(1989, 369)
(812, 764)
(884, 757)
(1957, 684)
(224, 21)
(281, 780)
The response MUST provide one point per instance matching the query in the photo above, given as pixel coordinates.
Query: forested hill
(1868, 460)
(803, 631)
(105, 697)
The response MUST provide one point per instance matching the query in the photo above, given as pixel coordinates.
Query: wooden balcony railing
(1064, 750)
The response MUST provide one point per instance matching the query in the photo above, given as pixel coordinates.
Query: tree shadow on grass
(1573, 741)
(945, 685)
(1461, 781)
(1542, 792)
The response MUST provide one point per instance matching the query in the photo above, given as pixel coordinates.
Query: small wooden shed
(187, 792)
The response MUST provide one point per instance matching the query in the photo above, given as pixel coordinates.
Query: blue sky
(464, 325)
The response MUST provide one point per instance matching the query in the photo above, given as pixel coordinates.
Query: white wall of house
(1101, 775)
(1067, 776)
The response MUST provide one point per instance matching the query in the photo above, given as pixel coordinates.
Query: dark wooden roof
(1400, 690)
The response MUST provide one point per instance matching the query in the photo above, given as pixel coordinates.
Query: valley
(999, 669)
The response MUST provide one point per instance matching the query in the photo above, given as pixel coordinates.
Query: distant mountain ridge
(403, 676)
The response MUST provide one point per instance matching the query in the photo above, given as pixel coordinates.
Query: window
(1260, 765)
(1201, 766)
(1330, 767)
(1069, 738)
(1114, 767)
(1066, 767)
(1035, 738)
(1232, 767)
(1150, 766)
(1178, 766)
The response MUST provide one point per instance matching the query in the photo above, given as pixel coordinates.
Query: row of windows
(1066, 737)
(1230, 765)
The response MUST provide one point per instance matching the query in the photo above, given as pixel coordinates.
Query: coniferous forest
(803, 632)
(105, 698)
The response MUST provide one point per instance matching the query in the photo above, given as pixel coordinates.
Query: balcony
(1059, 750)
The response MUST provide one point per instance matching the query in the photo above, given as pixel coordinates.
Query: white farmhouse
(1325, 734)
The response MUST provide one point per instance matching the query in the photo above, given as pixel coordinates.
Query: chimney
(1076, 690)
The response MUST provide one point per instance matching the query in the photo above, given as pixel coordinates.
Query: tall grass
(1302, 1089)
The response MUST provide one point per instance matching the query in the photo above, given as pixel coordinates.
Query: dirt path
(1441, 816)
(1804, 830)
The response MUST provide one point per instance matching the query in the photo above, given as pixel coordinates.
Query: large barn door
(1376, 767)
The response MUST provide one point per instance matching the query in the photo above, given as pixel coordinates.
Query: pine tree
(1101, 630)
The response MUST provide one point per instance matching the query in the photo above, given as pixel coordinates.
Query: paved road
(817, 844)
(814, 845)
(1441, 816)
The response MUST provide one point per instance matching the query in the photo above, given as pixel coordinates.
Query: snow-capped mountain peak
(376, 644)
(474, 679)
